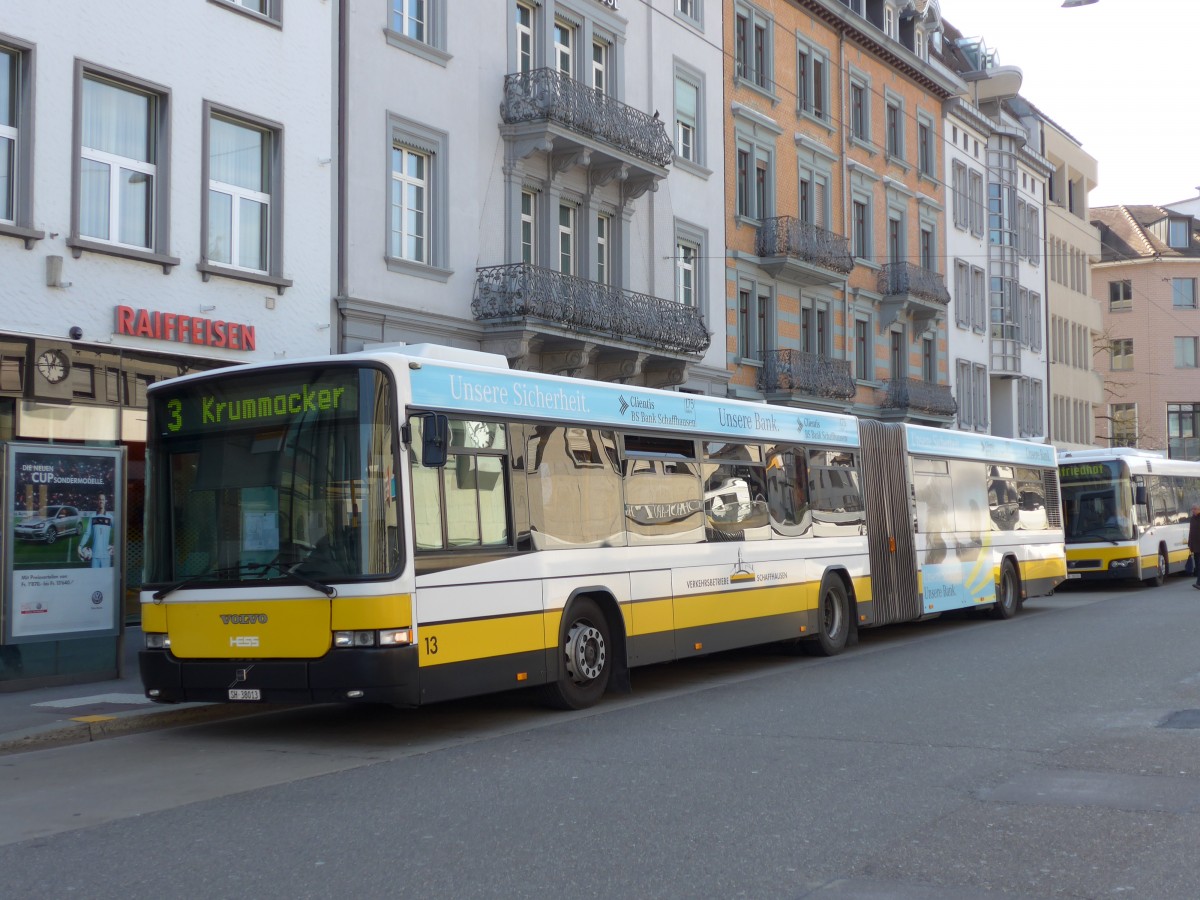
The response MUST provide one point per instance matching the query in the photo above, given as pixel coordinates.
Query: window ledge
(28, 235)
(863, 144)
(768, 92)
(417, 48)
(928, 177)
(694, 168)
(78, 245)
(753, 363)
(249, 13)
(899, 162)
(809, 116)
(208, 269)
(420, 270)
(866, 263)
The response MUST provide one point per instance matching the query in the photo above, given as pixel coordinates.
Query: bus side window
(574, 488)
(835, 492)
(787, 491)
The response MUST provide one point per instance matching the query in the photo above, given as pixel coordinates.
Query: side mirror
(1139, 494)
(435, 440)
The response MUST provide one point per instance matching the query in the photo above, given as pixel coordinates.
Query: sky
(1114, 75)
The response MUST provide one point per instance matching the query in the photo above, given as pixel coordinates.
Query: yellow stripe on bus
(367, 613)
(453, 642)
(735, 606)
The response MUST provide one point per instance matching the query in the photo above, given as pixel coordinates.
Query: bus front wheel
(1157, 579)
(585, 657)
(1008, 592)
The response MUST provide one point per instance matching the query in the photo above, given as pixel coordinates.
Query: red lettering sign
(165, 326)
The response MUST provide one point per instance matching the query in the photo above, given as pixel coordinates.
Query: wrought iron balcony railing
(521, 291)
(553, 95)
(906, 278)
(789, 236)
(924, 396)
(806, 373)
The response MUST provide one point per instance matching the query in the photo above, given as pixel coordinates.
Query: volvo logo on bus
(244, 619)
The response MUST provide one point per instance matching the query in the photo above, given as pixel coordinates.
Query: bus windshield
(1097, 502)
(287, 475)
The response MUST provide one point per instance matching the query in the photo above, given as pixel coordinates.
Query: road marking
(127, 699)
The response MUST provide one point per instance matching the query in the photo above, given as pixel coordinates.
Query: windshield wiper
(260, 568)
(327, 589)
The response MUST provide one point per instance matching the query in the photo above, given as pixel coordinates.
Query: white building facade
(552, 191)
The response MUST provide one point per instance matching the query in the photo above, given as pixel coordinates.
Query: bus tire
(1158, 579)
(585, 660)
(1008, 592)
(833, 619)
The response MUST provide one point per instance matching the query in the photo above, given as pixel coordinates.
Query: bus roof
(922, 439)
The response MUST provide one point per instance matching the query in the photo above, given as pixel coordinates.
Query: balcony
(802, 253)
(577, 125)
(912, 395)
(546, 321)
(806, 375)
(911, 291)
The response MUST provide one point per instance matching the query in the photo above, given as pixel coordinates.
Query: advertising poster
(65, 534)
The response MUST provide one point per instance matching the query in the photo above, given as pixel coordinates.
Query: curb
(62, 734)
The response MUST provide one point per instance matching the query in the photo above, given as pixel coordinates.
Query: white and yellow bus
(1126, 513)
(415, 524)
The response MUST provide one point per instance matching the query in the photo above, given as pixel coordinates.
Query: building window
(689, 9)
(1123, 427)
(964, 394)
(566, 239)
(979, 298)
(929, 360)
(862, 231)
(982, 418)
(685, 273)
(896, 358)
(1121, 351)
(118, 174)
(958, 187)
(242, 227)
(1185, 352)
(1120, 295)
(529, 254)
(1183, 293)
(410, 18)
(687, 117)
(1183, 430)
(524, 38)
(410, 205)
(895, 131)
(863, 351)
(603, 237)
(962, 294)
(975, 191)
(1177, 233)
(811, 87)
(895, 239)
(1033, 321)
(564, 48)
(600, 52)
(16, 133)
(754, 317)
(418, 230)
(268, 9)
(755, 184)
(926, 150)
(928, 250)
(752, 47)
(858, 112)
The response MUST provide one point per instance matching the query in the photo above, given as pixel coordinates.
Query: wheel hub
(586, 652)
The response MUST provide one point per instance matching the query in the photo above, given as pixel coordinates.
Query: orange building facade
(835, 266)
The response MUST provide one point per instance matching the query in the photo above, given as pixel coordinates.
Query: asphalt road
(953, 758)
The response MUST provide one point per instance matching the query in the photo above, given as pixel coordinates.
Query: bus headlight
(389, 637)
(157, 641)
(1120, 564)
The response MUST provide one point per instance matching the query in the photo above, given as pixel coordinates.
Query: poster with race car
(65, 528)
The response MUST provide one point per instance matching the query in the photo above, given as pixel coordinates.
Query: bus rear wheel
(1157, 579)
(1008, 592)
(585, 658)
(833, 620)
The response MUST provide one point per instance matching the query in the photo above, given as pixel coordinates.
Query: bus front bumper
(351, 675)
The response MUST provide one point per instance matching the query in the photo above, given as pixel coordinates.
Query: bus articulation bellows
(408, 525)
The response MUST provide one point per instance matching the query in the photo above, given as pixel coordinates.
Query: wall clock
(54, 365)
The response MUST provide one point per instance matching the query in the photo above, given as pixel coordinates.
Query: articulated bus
(1126, 513)
(414, 524)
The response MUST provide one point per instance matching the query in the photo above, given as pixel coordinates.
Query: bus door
(890, 544)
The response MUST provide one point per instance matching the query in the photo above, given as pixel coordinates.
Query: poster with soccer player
(65, 528)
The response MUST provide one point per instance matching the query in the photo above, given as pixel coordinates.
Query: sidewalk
(78, 713)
